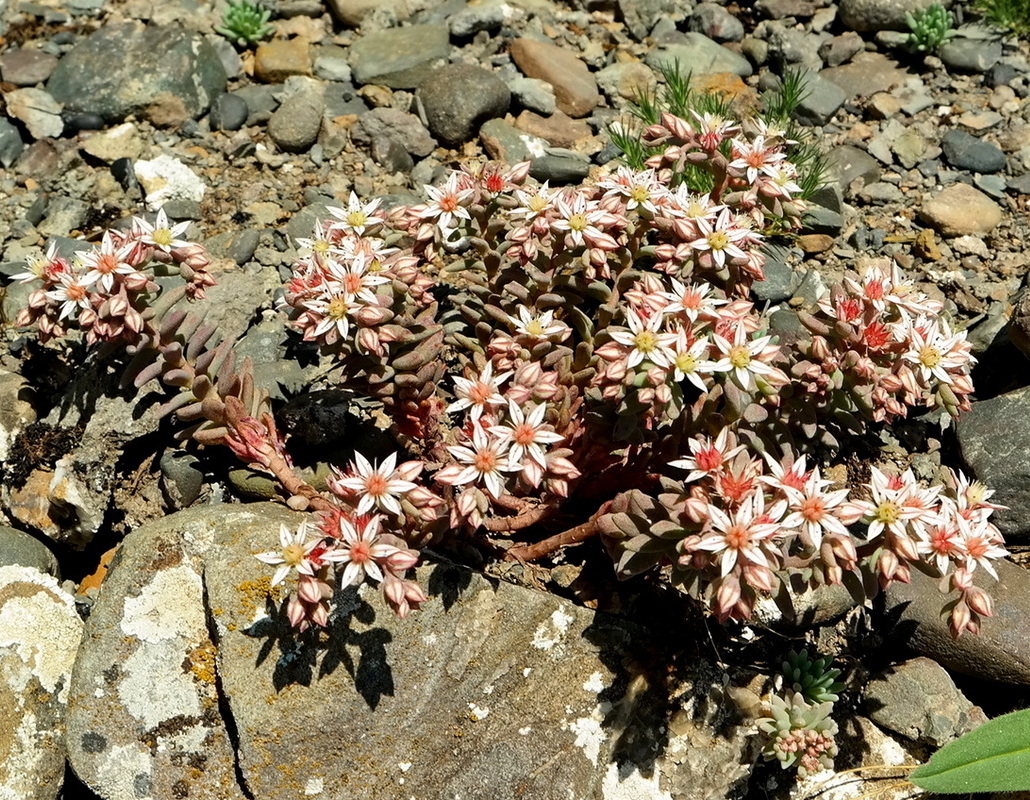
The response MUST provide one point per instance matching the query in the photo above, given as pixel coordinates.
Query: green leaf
(993, 758)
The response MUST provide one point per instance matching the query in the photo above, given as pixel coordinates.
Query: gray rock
(995, 441)
(237, 245)
(16, 410)
(841, 49)
(910, 148)
(229, 113)
(1020, 185)
(40, 633)
(991, 185)
(919, 700)
(475, 18)
(640, 15)
(970, 55)
(26, 67)
(506, 143)
(37, 110)
(539, 697)
(11, 144)
(880, 193)
(353, 12)
(260, 100)
(781, 279)
(534, 94)
(391, 123)
(143, 715)
(121, 69)
(1001, 653)
(265, 345)
(331, 64)
(699, 54)
(879, 15)
(19, 549)
(969, 152)
(182, 478)
(716, 23)
(961, 210)
(560, 166)
(458, 98)
(866, 74)
(823, 100)
(399, 57)
(294, 126)
(391, 155)
(794, 46)
(63, 215)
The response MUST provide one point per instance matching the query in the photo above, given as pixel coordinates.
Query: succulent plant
(930, 28)
(244, 22)
(813, 679)
(799, 734)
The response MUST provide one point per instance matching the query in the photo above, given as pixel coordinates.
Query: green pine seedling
(993, 758)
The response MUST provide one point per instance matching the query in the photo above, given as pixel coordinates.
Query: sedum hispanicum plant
(929, 28)
(245, 23)
(799, 734)
(555, 364)
(813, 678)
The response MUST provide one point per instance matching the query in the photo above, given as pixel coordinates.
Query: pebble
(701, 53)
(121, 141)
(640, 15)
(229, 112)
(560, 166)
(558, 129)
(353, 12)
(458, 98)
(968, 152)
(37, 110)
(19, 549)
(26, 67)
(506, 143)
(277, 60)
(260, 102)
(992, 185)
(970, 55)
(575, 90)
(919, 700)
(778, 9)
(399, 58)
(878, 15)
(823, 100)
(167, 178)
(866, 74)
(534, 94)
(472, 19)
(390, 123)
(841, 49)
(331, 64)
(626, 79)
(294, 126)
(11, 144)
(959, 210)
(715, 22)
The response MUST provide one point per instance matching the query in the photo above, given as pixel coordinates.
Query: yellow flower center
(293, 554)
(686, 362)
(740, 357)
(537, 203)
(162, 236)
(578, 223)
(320, 246)
(639, 193)
(930, 357)
(535, 328)
(337, 308)
(646, 341)
(887, 513)
(356, 219)
(718, 240)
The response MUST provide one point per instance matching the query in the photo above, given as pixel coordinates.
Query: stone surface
(533, 94)
(715, 22)
(557, 130)
(279, 59)
(640, 15)
(353, 12)
(16, 410)
(39, 635)
(866, 74)
(229, 112)
(143, 718)
(530, 695)
(11, 144)
(122, 68)
(121, 141)
(960, 210)
(1001, 653)
(20, 549)
(919, 700)
(458, 98)
(294, 126)
(167, 178)
(700, 55)
(574, 87)
(506, 143)
(970, 55)
(995, 441)
(628, 80)
(37, 110)
(972, 153)
(399, 57)
(851, 164)
(880, 15)
(391, 123)
(26, 67)
(824, 98)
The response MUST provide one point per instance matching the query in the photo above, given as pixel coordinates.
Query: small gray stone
(822, 101)
(237, 245)
(63, 215)
(20, 549)
(399, 57)
(841, 49)
(1020, 185)
(640, 15)
(991, 185)
(969, 152)
(716, 23)
(260, 100)
(919, 700)
(458, 98)
(852, 163)
(506, 143)
(181, 478)
(970, 55)
(534, 94)
(560, 166)
(881, 193)
(699, 54)
(294, 126)
(781, 279)
(331, 64)
(406, 129)
(391, 155)
(27, 66)
(229, 113)
(11, 144)
(475, 18)
(879, 15)
(37, 110)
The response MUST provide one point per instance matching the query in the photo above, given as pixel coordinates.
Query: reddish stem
(577, 535)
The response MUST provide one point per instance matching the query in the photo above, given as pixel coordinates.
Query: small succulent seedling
(813, 679)
(930, 28)
(245, 22)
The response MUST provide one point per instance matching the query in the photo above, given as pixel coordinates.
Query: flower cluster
(105, 290)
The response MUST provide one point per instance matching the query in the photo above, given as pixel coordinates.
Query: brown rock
(925, 246)
(558, 129)
(167, 111)
(815, 242)
(277, 60)
(742, 98)
(353, 12)
(574, 86)
(961, 210)
(26, 67)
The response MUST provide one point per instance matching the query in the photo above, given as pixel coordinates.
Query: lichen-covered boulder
(143, 718)
(39, 635)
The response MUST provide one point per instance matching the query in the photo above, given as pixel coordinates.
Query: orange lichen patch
(200, 661)
(255, 593)
(741, 97)
(93, 581)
